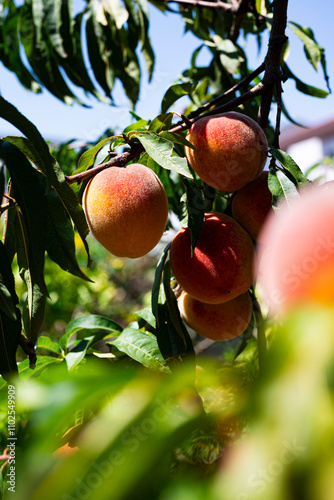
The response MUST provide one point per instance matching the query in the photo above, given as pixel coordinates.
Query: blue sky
(173, 51)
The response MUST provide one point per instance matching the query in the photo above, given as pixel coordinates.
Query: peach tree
(41, 208)
(109, 398)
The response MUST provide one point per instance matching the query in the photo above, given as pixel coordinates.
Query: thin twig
(118, 160)
(243, 83)
(228, 106)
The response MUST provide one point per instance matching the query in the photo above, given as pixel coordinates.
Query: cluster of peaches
(127, 210)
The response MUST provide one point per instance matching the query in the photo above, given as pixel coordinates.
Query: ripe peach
(296, 264)
(251, 205)
(222, 263)
(126, 209)
(217, 321)
(231, 150)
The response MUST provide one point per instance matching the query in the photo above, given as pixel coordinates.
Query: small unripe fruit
(126, 209)
(231, 150)
(252, 204)
(217, 321)
(221, 266)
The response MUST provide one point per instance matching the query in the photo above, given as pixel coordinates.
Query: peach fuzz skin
(252, 204)
(231, 150)
(222, 263)
(217, 321)
(295, 266)
(126, 209)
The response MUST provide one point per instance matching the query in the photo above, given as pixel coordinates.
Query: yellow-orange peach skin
(252, 204)
(217, 321)
(296, 264)
(126, 209)
(231, 150)
(221, 266)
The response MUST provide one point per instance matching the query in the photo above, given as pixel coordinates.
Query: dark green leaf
(195, 204)
(47, 164)
(40, 53)
(142, 347)
(10, 55)
(53, 21)
(157, 281)
(98, 51)
(60, 243)
(289, 164)
(10, 319)
(30, 193)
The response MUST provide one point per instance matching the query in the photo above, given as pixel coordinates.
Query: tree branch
(117, 161)
(272, 60)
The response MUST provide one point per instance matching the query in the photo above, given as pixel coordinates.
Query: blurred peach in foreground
(296, 263)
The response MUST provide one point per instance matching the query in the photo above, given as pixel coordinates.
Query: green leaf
(60, 243)
(289, 164)
(147, 315)
(303, 87)
(141, 123)
(77, 354)
(176, 139)
(142, 347)
(98, 51)
(40, 53)
(42, 362)
(157, 281)
(91, 322)
(229, 54)
(161, 150)
(9, 42)
(47, 344)
(175, 92)
(74, 63)
(312, 50)
(161, 122)
(280, 186)
(53, 21)
(86, 160)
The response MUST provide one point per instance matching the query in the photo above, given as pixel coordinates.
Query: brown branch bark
(272, 60)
